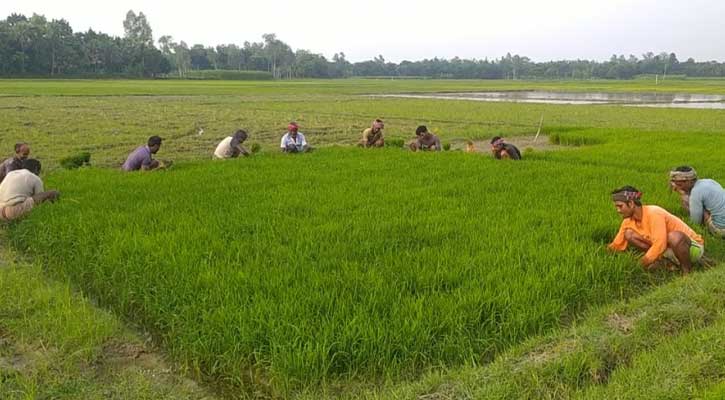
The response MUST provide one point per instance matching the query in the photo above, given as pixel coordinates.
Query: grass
(667, 344)
(277, 281)
(346, 269)
(334, 87)
(55, 344)
(110, 127)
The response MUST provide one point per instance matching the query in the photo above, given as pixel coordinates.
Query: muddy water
(675, 100)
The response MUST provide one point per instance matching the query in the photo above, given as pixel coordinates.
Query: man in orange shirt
(654, 231)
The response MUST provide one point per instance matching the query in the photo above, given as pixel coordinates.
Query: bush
(395, 143)
(76, 161)
(446, 146)
(226, 75)
(570, 140)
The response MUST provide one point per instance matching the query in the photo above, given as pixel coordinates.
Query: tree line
(35, 46)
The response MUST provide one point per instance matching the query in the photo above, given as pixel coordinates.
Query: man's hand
(51, 196)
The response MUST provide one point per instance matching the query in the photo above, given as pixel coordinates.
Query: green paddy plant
(280, 275)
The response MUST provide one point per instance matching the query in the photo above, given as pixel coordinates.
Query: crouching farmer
(703, 199)
(142, 159)
(425, 140)
(654, 231)
(21, 190)
(231, 146)
(373, 136)
(294, 141)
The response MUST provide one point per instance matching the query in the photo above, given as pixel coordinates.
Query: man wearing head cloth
(502, 150)
(373, 136)
(654, 231)
(703, 199)
(293, 140)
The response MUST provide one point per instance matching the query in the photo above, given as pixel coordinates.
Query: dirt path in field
(125, 364)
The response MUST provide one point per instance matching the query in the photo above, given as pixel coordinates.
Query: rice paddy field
(345, 270)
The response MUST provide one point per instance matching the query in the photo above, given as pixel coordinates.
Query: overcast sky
(399, 30)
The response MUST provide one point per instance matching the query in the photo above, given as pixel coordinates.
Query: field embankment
(54, 343)
(667, 344)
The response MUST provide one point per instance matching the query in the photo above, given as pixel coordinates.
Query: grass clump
(76, 161)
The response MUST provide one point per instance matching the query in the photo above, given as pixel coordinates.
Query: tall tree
(139, 36)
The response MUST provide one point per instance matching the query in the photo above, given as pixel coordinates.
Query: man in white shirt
(231, 146)
(294, 141)
(21, 190)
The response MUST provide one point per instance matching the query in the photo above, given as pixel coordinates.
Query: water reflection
(679, 100)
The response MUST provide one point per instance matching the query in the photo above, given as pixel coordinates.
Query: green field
(345, 268)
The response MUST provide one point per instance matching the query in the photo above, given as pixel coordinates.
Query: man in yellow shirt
(373, 136)
(655, 231)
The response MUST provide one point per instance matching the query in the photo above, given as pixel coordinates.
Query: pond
(675, 100)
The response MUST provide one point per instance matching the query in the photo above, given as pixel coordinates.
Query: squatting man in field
(654, 231)
(703, 199)
(231, 146)
(373, 136)
(21, 190)
(502, 150)
(142, 158)
(425, 140)
(294, 141)
(22, 151)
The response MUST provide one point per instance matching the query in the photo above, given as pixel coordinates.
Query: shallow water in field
(674, 100)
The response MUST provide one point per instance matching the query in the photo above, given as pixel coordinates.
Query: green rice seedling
(76, 161)
(395, 142)
(343, 266)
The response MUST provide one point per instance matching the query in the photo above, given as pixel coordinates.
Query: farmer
(655, 231)
(141, 158)
(373, 136)
(21, 190)
(425, 140)
(703, 199)
(502, 150)
(231, 146)
(22, 151)
(293, 140)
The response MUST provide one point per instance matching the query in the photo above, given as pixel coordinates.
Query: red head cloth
(378, 125)
(293, 127)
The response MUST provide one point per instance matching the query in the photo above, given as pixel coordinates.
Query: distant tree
(309, 65)
(199, 59)
(139, 39)
(278, 54)
(62, 44)
(182, 57)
